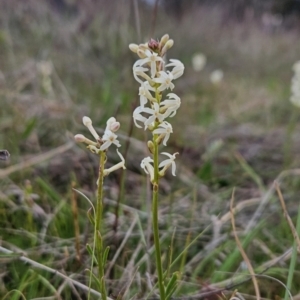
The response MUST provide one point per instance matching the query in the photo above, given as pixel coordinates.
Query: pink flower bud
(115, 126)
(79, 138)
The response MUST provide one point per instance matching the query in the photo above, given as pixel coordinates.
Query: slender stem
(293, 261)
(155, 222)
(98, 223)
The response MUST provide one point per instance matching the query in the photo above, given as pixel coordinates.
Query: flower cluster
(156, 77)
(102, 144)
(295, 87)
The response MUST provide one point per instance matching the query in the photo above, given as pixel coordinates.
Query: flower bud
(133, 47)
(153, 45)
(86, 121)
(115, 126)
(163, 40)
(160, 138)
(141, 53)
(150, 146)
(169, 44)
(79, 138)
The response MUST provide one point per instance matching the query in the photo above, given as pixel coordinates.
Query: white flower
(167, 163)
(88, 123)
(178, 69)
(165, 129)
(80, 138)
(140, 71)
(198, 62)
(138, 117)
(112, 125)
(109, 138)
(147, 167)
(119, 165)
(155, 114)
(165, 80)
(216, 76)
(151, 58)
(170, 106)
(144, 92)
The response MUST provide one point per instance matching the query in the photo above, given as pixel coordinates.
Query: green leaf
(91, 253)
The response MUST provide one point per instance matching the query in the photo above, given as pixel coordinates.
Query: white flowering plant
(158, 104)
(100, 146)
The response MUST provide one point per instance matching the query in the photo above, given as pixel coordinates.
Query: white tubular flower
(151, 58)
(112, 125)
(145, 95)
(88, 123)
(119, 165)
(109, 138)
(170, 106)
(147, 167)
(80, 138)
(155, 114)
(140, 71)
(165, 129)
(165, 80)
(138, 117)
(167, 163)
(178, 68)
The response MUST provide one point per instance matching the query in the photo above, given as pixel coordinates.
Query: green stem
(293, 261)
(155, 222)
(98, 223)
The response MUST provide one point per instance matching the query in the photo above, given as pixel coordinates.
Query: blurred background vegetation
(63, 59)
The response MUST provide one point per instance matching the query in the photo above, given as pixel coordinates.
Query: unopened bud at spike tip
(133, 47)
(86, 121)
(166, 47)
(153, 45)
